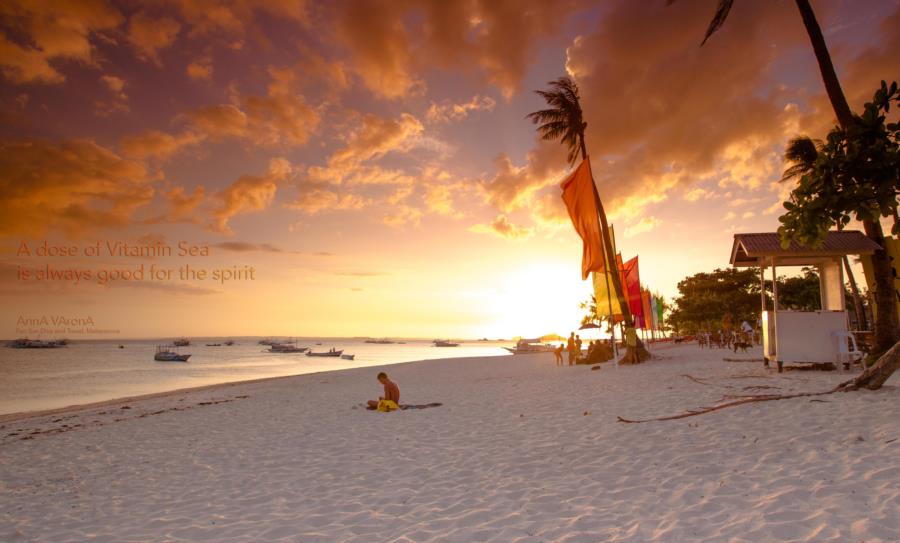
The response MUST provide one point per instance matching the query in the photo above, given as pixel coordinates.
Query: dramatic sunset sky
(372, 161)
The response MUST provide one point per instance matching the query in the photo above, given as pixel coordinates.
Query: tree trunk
(857, 299)
(887, 328)
(829, 77)
(876, 375)
(861, 321)
(643, 353)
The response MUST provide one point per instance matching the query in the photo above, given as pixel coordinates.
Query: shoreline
(74, 408)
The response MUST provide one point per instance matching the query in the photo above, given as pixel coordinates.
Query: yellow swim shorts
(387, 405)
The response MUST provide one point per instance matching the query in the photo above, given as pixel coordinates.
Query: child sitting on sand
(391, 399)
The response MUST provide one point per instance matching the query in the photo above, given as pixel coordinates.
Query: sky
(371, 160)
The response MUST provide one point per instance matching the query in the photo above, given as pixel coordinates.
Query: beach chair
(847, 348)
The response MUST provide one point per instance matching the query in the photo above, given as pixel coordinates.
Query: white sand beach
(520, 451)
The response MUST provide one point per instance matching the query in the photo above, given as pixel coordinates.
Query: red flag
(632, 289)
(578, 195)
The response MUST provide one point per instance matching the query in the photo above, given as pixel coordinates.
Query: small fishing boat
(348, 356)
(166, 353)
(181, 342)
(444, 343)
(213, 344)
(286, 348)
(530, 346)
(36, 344)
(229, 343)
(380, 341)
(332, 352)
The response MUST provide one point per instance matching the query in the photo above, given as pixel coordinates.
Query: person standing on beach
(391, 399)
(571, 348)
(577, 348)
(631, 343)
(558, 354)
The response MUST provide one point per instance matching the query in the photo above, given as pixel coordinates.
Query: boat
(165, 353)
(181, 342)
(380, 341)
(25, 343)
(286, 348)
(332, 352)
(529, 346)
(213, 344)
(348, 356)
(444, 343)
(229, 343)
(121, 346)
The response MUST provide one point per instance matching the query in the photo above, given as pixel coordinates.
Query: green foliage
(853, 174)
(705, 298)
(800, 293)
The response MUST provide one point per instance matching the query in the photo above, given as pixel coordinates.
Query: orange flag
(578, 194)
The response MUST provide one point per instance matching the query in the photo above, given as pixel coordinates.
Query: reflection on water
(91, 371)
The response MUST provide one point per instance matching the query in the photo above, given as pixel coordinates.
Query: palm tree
(564, 121)
(826, 67)
(802, 153)
(887, 329)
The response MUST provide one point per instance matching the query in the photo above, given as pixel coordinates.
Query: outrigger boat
(285, 348)
(332, 352)
(164, 353)
(529, 346)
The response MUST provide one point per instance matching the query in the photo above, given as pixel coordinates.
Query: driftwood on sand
(872, 379)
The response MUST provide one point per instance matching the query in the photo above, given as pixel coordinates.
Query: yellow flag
(606, 304)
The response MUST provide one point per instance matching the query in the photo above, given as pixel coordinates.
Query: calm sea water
(91, 371)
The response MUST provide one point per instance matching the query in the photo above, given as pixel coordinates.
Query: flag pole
(612, 329)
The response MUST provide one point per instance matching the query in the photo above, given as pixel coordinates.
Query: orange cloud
(496, 40)
(281, 117)
(374, 33)
(447, 111)
(156, 144)
(402, 215)
(502, 227)
(316, 198)
(249, 194)
(513, 187)
(53, 31)
(149, 35)
(230, 19)
(372, 139)
(119, 101)
(72, 186)
(200, 69)
(182, 206)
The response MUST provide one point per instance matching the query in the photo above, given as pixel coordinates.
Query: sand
(520, 451)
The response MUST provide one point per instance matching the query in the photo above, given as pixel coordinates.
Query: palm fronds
(563, 120)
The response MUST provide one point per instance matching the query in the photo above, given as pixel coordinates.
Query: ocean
(93, 371)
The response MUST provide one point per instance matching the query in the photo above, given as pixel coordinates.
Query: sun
(536, 299)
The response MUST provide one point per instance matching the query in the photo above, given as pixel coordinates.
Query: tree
(823, 58)
(887, 330)
(800, 293)
(564, 121)
(704, 298)
(853, 174)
